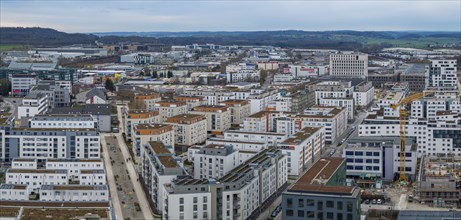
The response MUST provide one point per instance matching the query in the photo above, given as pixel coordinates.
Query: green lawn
(6, 47)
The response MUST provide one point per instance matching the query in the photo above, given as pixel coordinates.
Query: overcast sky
(218, 15)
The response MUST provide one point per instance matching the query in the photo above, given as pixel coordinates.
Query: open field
(6, 47)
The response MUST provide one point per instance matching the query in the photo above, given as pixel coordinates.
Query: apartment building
(191, 101)
(415, 76)
(239, 110)
(349, 65)
(440, 102)
(218, 117)
(189, 129)
(134, 117)
(50, 143)
(82, 171)
(363, 94)
(391, 97)
(33, 104)
(214, 161)
(332, 118)
(159, 166)
(271, 138)
(16, 192)
(435, 137)
(22, 83)
(212, 95)
(35, 178)
(256, 122)
(143, 133)
(146, 101)
(335, 93)
(74, 193)
(302, 148)
(321, 194)
(101, 112)
(379, 157)
(170, 108)
(442, 75)
(236, 195)
(243, 146)
(54, 121)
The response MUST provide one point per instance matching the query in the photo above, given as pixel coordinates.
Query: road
(110, 178)
(13, 104)
(267, 81)
(131, 167)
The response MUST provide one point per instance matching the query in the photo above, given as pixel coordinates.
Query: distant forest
(343, 40)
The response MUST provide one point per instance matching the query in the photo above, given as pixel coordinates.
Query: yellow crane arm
(411, 98)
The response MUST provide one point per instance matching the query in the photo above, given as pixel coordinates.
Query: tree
(5, 86)
(169, 74)
(110, 85)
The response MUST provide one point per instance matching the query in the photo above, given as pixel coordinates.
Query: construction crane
(403, 133)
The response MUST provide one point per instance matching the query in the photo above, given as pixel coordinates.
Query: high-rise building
(349, 65)
(442, 75)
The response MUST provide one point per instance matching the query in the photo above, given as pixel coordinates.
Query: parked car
(373, 201)
(367, 201)
(380, 201)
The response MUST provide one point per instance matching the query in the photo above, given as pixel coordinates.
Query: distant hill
(344, 39)
(42, 37)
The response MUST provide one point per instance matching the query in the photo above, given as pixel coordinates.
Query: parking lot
(125, 190)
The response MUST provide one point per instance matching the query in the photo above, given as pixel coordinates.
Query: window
(289, 212)
(349, 153)
(330, 204)
(310, 214)
(339, 216)
(181, 208)
(300, 213)
(195, 207)
(349, 217)
(339, 205)
(195, 199)
(289, 203)
(300, 203)
(319, 205)
(330, 215)
(369, 153)
(359, 153)
(349, 206)
(205, 207)
(310, 202)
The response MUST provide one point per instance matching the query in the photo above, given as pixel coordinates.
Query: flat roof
(159, 147)
(35, 171)
(13, 186)
(301, 135)
(251, 132)
(210, 108)
(184, 118)
(73, 187)
(168, 161)
(151, 126)
(236, 101)
(69, 213)
(323, 188)
(323, 169)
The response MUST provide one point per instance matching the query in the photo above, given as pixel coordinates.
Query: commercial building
(134, 117)
(218, 117)
(321, 194)
(22, 83)
(379, 157)
(58, 92)
(349, 65)
(239, 110)
(170, 108)
(416, 76)
(159, 166)
(302, 148)
(33, 104)
(143, 133)
(189, 129)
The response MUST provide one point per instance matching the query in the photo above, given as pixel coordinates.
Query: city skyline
(177, 16)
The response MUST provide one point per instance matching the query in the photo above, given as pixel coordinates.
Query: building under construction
(439, 182)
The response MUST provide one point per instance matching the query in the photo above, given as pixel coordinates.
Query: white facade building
(33, 104)
(302, 148)
(74, 193)
(214, 161)
(63, 121)
(442, 75)
(349, 64)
